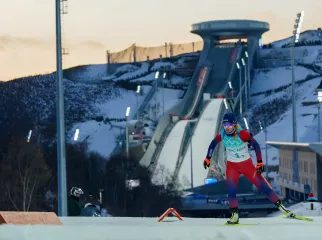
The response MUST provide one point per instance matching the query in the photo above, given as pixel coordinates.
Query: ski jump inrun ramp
(202, 136)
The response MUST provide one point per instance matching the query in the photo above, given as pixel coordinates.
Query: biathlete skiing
(236, 141)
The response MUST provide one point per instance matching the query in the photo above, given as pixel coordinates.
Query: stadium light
(230, 86)
(298, 25)
(240, 92)
(164, 75)
(246, 54)
(76, 135)
(29, 135)
(157, 75)
(128, 110)
(138, 90)
(226, 105)
(266, 152)
(243, 62)
(246, 123)
(320, 96)
(127, 114)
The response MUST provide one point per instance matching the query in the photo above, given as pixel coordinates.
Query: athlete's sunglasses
(227, 124)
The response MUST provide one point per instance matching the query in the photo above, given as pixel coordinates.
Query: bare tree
(162, 175)
(24, 171)
(185, 183)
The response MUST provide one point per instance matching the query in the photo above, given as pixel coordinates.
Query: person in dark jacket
(90, 209)
(74, 207)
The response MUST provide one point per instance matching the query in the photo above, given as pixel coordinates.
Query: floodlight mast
(231, 89)
(225, 103)
(127, 114)
(138, 91)
(266, 153)
(246, 123)
(61, 151)
(319, 116)
(296, 36)
(245, 83)
(157, 75)
(240, 93)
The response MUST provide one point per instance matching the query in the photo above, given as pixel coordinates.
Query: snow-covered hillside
(129, 72)
(145, 71)
(280, 120)
(271, 98)
(103, 136)
(304, 54)
(275, 78)
(92, 73)
(95, 100)
(307, 36)
(37, 94)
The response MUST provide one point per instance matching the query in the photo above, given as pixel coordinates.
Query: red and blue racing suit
(239, 162)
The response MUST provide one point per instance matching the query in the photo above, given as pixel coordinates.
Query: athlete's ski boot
(284, 210)
(234, 216)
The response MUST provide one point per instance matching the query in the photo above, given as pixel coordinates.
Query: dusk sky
(27, 33)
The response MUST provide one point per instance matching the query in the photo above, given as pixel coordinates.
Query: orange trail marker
(170, 210)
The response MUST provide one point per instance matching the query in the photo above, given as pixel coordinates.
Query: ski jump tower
(213, 32)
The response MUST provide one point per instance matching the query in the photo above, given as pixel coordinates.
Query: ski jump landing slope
(171, 229)
(204, 133)
(170, 151)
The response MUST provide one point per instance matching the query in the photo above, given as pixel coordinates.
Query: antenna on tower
(171, 49)
(134, 52)
(64, 11)
(108, 60)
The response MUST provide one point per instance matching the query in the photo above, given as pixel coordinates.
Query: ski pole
(214, 170)
(267, 182)
(263, 179)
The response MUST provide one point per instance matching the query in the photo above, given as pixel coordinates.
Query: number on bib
(238, 156)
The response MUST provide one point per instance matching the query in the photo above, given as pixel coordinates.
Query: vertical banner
(202, 76)
(233, 54)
